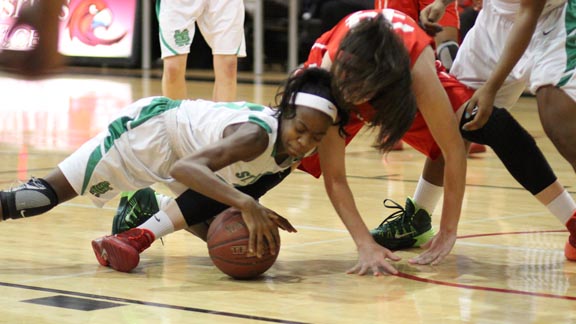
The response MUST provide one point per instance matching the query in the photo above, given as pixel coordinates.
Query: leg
(558, 115)
(225, 77)
(35, 197)
(174, 77)
(191, 211)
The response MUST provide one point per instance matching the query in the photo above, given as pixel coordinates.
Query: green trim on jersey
(120, 126)
(258, 121)
(570, 23)
(251, 107)
(160, 29)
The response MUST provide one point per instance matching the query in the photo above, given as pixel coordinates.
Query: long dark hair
(314, 81)
(372, 62)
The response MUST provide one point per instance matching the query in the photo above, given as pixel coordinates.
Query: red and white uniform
(415, 40)
(413, 7)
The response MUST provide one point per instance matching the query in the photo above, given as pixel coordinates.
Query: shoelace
(139, 237)
(397, 215)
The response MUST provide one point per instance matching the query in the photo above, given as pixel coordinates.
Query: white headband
(318, 103)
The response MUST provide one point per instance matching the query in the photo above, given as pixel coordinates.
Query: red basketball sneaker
(570, 247)
(122, 251)
(477, 148)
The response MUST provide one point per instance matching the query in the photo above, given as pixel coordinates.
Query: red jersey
(412, 8)
(415, 40)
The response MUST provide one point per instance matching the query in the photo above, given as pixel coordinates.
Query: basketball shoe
(570, 247)
(477, 148)
(121, 252)
(405, 228)
(135, 208)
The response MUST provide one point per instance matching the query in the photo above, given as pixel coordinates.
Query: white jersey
(199, 123)
(140, 147)
(509, 8)
(548, 60)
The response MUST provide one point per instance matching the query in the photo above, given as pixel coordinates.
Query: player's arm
(372, 257)
(516, 44)
(196, 171)
(434, 105)
(431, 15)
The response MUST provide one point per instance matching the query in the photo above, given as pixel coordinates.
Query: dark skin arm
(241, 142)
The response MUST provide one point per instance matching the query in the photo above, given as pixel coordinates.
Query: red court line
(511, 233)
(500, 290)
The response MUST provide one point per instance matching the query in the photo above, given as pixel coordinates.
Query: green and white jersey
(199, 123)
(139, 148)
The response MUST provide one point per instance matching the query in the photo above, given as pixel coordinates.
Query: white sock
(427, 195)
(162, 200)
(562, 207)
(159, 224)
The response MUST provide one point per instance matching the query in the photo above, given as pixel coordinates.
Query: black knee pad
(198, 208)
(515, 147)
(30, 199)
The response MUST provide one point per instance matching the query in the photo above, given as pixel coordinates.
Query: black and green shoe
(135, 208)
(406, 228)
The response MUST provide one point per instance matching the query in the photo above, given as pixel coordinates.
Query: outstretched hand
(374, 258)
(436, 249)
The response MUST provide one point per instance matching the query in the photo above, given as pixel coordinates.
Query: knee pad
(30, 199)
(446, 53)
(515, 147)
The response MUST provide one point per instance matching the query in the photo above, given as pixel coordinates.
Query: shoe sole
(100, 252)
(423, 238)
(406, 243)
(570, 252)
(120, 256)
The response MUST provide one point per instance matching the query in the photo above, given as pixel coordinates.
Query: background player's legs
(225, 77)
(558, 115)
(174, 77)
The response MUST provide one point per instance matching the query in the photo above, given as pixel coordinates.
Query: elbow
(179, 170)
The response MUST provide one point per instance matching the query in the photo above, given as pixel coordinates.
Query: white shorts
(221, 22)
(545, 62)
(121, 159)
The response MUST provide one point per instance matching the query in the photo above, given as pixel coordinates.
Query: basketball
(228, 245)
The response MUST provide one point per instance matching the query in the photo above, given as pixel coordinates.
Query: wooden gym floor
(506, 267)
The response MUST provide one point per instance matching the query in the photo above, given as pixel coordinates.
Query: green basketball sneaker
(134, 209)
(406, 228)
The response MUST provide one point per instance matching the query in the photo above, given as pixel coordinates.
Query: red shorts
(413, 7)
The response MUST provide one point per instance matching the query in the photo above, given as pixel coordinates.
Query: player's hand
(430, 16)
(436, 249)
(263, 230)
(282, 222)
(478, 109)
(374, 258)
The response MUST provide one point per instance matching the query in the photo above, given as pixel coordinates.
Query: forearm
(516, 44)
(343, 201)
(454, 186)
(203, 180)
